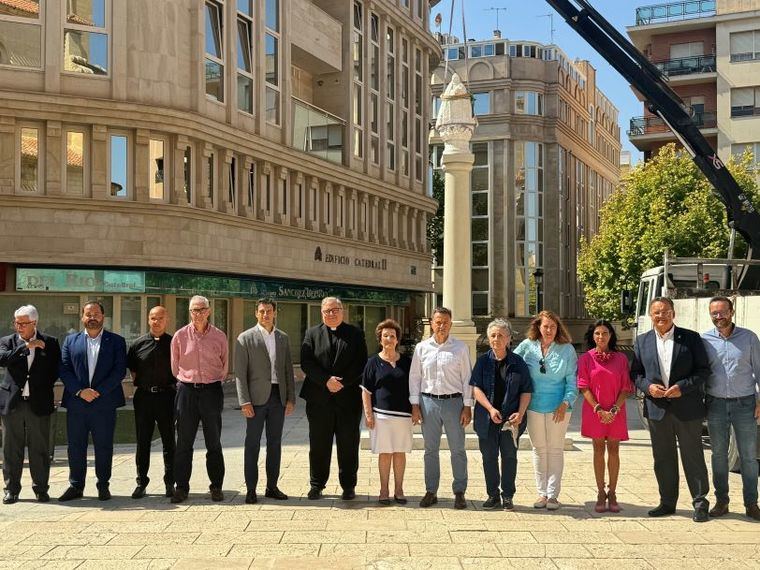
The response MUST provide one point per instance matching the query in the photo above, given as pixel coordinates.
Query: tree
(435, 223)
(663, 203)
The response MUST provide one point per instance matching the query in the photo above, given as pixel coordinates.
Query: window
(690, 49)
(745, 101)
(404, 107)
(85, 37)
(529, 103)
(29, 173)
(210, 177)
(156, 171)
(214, 61)
(245, 56)
(272, 57)
(232, 182)
(745, 46)
(753, 148)
(529, 227)
(374, 86)
(251, 186)
(480, 184)
(481, 103)
(21, 34)
(188, 174)
(357, 52)
(119, 165)
(418, 91)
(75, 155)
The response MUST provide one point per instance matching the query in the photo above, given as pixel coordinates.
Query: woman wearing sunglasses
(552, 362)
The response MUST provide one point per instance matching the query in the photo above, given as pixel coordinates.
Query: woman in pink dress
(605, 382)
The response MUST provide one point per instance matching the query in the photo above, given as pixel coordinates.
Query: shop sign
(380, 263)
(79, 280)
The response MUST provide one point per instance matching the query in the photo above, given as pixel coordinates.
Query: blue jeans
(721, 415)
(499, 443)
(439, 415)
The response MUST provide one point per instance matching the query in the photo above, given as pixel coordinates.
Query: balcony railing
(687, 65)
(674, 11)
(317, 132)
(652, 125)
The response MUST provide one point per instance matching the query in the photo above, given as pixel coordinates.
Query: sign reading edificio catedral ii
(379, 263)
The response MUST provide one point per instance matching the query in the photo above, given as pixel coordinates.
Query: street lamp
(538, 278)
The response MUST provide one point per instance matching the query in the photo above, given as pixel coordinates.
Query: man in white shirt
(266, 393)
(441, 398)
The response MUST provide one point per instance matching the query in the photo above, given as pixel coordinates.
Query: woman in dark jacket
(502, 389)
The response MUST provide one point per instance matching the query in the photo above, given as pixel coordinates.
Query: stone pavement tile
(475, 550)
(414, 563)
(544, 551)
(248, 537)
(407, 537)
(282, 525)
(324, 536)
(151, 527)
(422, 525)
(298, 563)
(126, 564)
(183, 551)
(204, 563)
(45, 526)
(274, 550)
(490, 537)
(574, 537)
(143, 538)
(68, 539)
(497, 563)
(663, 550)
(223, 522)
(57, 564)
(23, 552)
(601, 564)
(281, 515)
(706, 563)
(345, 514)
(679, 524)
(736, 537)
(93, 552)
(179, 516)
(675, 537)
(11, 538)
(409, 513)
(119, 515)
(376, 524)
(738, 551)
(603, 525)
(365, 550)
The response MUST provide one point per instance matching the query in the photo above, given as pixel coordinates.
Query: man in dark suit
(93, 365)
(670, 367)
(333, 356)
(267, 393)
(31, 360)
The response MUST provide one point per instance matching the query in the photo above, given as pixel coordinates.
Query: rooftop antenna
(552, 29)
(497, 10)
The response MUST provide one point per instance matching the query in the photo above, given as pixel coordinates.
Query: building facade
(710, 53)
(547, 155)
(150, 151)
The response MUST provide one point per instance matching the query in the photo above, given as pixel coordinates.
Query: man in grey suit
(266, 392)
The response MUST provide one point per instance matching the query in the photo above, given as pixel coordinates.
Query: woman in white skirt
(388, 413)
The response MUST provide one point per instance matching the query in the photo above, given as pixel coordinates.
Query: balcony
(317, 132)
(640, 126)
(674, 12)
(687, 65)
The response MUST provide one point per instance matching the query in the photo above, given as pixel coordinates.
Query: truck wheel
(640, 409)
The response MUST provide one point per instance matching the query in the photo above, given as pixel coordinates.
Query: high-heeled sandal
(601, 501)
(612, 502)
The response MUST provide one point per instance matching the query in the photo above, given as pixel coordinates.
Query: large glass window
(21, 34)
(357, 54)
(75, 160)
(272, 59)
(156, 170)
(214, 60)
(30, 179)
(480, 186)
(59, 315)
(745, 101)
(85, 37)
(187, 161)
(481, 103)
(245, 56)
(745, 46)
(529, 103)
(119, 166)
(529, 230)
(131, 317)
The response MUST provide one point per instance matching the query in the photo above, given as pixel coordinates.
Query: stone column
(456, 124)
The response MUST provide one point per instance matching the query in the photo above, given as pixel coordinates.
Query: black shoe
(275, 494)
(700, 515)
(179, 496)
(70, 494)
(251, 498)
(720, 509)
(10, 498)
(348, 494)
(314, 494)
(139, 492)
(169, 491)
(753, 512)
(42, 496)
(400, 499)
(428, 500)
(216, 494)
(661, 511)
(508, 504)
(459, 501)
(104, 494)
(493, 502)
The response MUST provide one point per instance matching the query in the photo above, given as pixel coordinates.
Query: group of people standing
(178, 386)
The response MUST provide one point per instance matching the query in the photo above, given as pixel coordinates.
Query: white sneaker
(552, 505)
(540, 503)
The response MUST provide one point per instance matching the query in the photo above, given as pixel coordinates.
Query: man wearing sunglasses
(31, 360)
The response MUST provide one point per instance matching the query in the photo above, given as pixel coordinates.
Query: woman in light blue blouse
(552, 362)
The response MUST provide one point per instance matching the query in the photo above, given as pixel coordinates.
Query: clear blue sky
(523, 20)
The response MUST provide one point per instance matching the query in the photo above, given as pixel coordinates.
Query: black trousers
(154, 409)
(269, 416)
(328, 422)
(195, 406)
(665, 434)
(23, 428)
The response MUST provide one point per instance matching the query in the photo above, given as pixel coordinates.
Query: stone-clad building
(547, 155)
(150, 151)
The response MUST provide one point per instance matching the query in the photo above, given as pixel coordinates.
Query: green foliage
(435, 224)
(663, 203)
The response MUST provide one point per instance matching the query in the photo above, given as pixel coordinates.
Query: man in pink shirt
(199, 355)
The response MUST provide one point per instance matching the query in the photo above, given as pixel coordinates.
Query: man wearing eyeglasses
(199, 356)
(733, 401)
(31, 360)
(333, 356)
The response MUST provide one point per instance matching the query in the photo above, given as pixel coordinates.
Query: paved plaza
(151, 533)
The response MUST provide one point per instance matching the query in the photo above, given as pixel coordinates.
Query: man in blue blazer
(670, 367)
(93, 365)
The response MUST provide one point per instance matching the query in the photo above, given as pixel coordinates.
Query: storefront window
(182, 316)
(59, 316)
(219, 314)
(373, 316)
(131, 318)
(291, 318)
